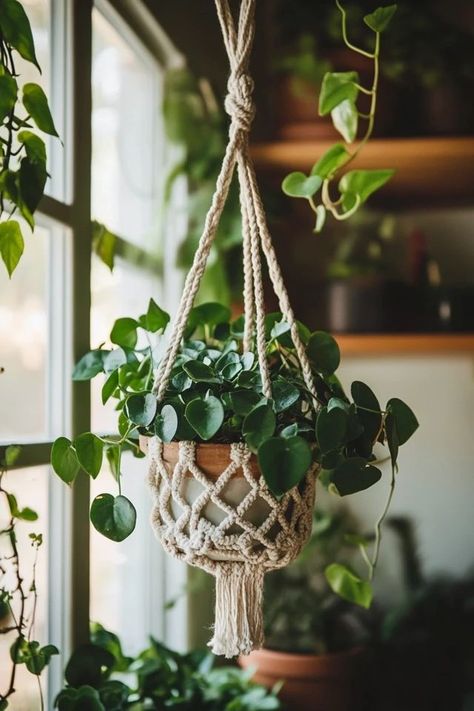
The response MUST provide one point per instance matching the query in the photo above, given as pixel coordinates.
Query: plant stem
(378, 527)
(359, 50)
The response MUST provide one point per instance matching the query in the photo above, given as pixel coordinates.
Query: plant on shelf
(100, 677)
(340, 92)
(215, 395)
(23, 170)
(18, 598)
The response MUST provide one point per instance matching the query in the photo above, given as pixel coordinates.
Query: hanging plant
(23, 170)
(340, 93)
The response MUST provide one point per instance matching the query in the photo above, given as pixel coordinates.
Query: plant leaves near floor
(284, 461)
(323, 352)
(336, 88)
(113, 516)
(64, 460)
(89, 449)
(205, 416)
(348, 585)
(379, 19)
(300, 185)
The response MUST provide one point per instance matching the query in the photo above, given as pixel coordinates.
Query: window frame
(69, 319)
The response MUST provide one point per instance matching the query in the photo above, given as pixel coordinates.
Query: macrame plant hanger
(236, 551)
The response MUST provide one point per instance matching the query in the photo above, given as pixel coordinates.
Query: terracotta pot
(326, 682)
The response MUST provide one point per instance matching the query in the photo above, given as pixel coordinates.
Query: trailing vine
(23, 171)
(18, 601)
(338, 97)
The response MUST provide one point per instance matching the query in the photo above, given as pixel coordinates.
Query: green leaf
(103, 243)
(25, 514)
(284, 461)
(348, 585)
(354, 475)
(362, 183)
(299, 185)
(324, 352)
(90, 365)
(205, 416)
(114, 360)
(36, 104)
(284, 394)
(64, 460)
(88, 665)
(290, 430)
(337, 87)
(166, 423)
(208, 314)
(110, 386)
(200, 373)
(113, 456)
(331, 428)
(89, 450)
(392, 437)
(16, 30)
(366, 400)
(155, 318)
(243, 401)
(8, 94)
(184, 431)
(405, 419)
(34, 145)
(86, 698)
(345, 119)
(114, 517)
(124, 332)
(320, 218)
(258, 426)
(11, 244)
(141, 408)
(331, 161)
(379, 19)
(32, 179)
(12, 452)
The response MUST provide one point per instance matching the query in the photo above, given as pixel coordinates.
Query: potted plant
(315, 643)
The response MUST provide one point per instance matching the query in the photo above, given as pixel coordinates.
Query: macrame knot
(238, 102)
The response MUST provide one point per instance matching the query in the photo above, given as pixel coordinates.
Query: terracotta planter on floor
(326, 682)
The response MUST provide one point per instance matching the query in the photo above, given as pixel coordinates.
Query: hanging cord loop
(256, 237)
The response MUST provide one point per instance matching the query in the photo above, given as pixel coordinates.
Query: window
(105, 83)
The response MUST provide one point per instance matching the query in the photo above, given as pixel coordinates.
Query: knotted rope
(241, 547)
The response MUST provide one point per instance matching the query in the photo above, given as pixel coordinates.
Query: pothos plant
(340, 92)
(23, 170)
(18, 598)
(215, 395)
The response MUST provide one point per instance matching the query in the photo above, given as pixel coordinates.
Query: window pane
(125, 292)
(30, 486)
(23, 343)
(126, 134)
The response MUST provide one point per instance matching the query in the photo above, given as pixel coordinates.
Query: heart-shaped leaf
(324, 352)
(346, 119)
(124, 332)
(299, 185)
(64, 460)
(368, 412)
(89, 365)
(348, 585)
(354, 475)
(16, 29)
(35, 147)
(115, 359)
(89, 450)
(199, 372)
(205, 416)
(379, 19)
(331, 428)
(36, 104)
(331, 161)
(243, 401)
(258, 426)
(362, 183)
(88, 665)
(11, 244)
(166, 423)
(405, 419)
(155, 318)
(284, 461)
(284, 394)
(114, 517)
(337, 87)
(141, 408)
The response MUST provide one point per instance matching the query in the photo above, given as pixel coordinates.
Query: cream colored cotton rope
(257, 532)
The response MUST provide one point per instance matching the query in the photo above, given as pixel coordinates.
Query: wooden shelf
(428, 170)
(404, 343)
